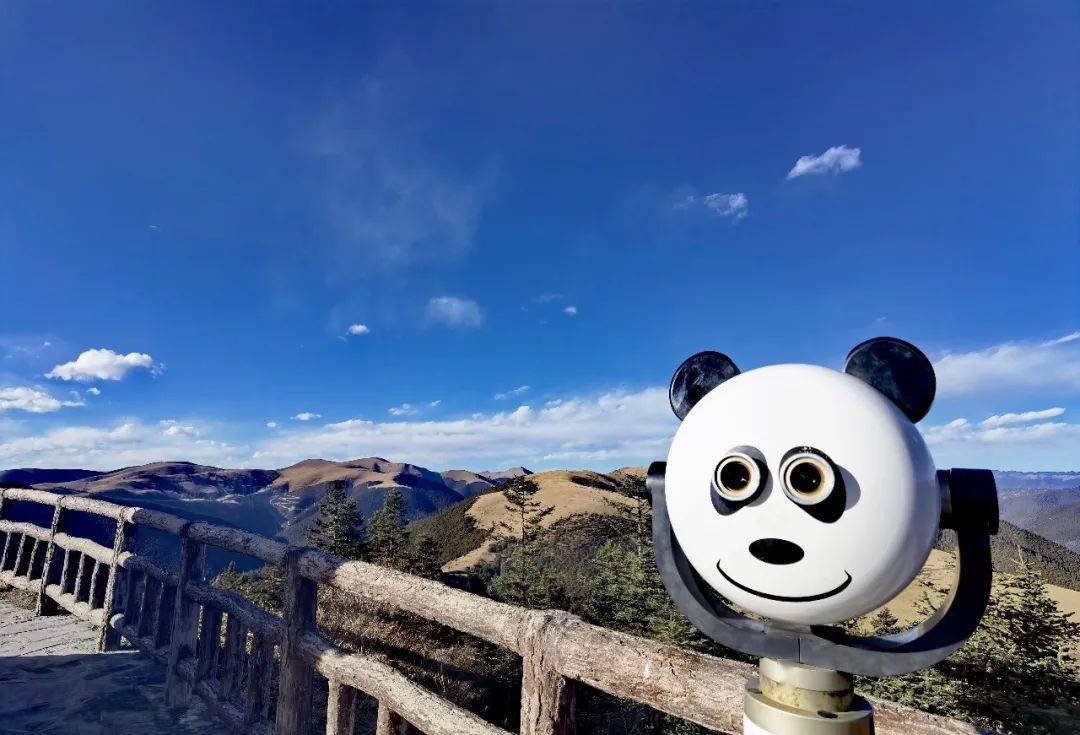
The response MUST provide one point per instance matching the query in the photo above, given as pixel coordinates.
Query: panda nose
(776, 551)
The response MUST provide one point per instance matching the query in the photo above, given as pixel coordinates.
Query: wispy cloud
(307, 416)
(519, 391)
(609, 429)
(385, 191)
(547, 298)
(271, 424)
(102, 364)
(454, 312)
(93, 391)
(124, 444)
(570, 310)
(1020, 418)
(1071, 337)
(1011, 366)
(836, 160)
(172, 427)
(358, 329)
(732, 206)
(994, 431)
(31, 400)
(405, 409)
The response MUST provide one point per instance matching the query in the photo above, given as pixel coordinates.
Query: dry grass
(570, 493)
(938, 572)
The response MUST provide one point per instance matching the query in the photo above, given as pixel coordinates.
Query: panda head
(803, 494)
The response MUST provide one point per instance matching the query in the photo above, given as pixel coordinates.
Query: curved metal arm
(972, 512)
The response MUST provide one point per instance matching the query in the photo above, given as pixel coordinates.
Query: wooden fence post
(340, 709)
(45, 604)
(547, 697)
(260, 670)
(110, 637)
(297, 675)
(388, 722)
(185, 622)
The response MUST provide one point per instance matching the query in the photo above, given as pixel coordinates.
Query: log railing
(231, 652)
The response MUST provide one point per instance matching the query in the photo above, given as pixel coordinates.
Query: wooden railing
(232, 653)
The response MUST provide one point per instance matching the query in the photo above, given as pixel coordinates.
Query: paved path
(53, 682)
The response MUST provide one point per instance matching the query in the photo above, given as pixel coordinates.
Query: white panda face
(802, 494)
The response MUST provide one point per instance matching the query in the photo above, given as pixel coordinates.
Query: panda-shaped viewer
(803, 494)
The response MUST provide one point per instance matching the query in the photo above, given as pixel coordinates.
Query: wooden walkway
(53, 681)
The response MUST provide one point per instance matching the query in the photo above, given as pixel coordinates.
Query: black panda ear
(698, 375)
(897, 369)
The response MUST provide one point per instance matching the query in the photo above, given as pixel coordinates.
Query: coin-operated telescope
(806, 496)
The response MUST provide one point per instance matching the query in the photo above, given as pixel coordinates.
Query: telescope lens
(809, 477)
(805, 478)
(737, 477)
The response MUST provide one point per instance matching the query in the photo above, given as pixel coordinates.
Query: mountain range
(283, 502)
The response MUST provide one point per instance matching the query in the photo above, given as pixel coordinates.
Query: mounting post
(790, 698)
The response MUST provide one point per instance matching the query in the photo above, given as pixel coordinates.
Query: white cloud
(1012, 366)
(519, 391)
(101, 364)
(391, 200)
(1020, 418)
(307, 416)
(31, 400)
(93, 391)
(454, 312)
(963, 431)
(610, 429)
(547, 298)
(358, 329)
(735, 206)
(271, 424)
(1071, 337)
(175, 428)
(435, 404)
(833, 161)
(570, 311)
(405, 409)
(127, 443)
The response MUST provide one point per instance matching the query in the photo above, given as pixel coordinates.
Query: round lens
(737, 477)
(808, 477)
(805, 477)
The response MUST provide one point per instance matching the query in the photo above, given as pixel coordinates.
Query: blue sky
(535, 213)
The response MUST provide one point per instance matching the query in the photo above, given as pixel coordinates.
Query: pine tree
(629, 594)
(1015, 674)
(520, 581)
(388, 534)
(424, 559)
(884, 622)
(339, 527)
(264, 586)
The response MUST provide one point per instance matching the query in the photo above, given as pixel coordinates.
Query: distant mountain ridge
(281, 502)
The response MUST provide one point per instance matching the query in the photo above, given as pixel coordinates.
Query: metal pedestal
(790, 698)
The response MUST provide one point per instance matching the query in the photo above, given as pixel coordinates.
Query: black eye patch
(722, 505)
(831, 508)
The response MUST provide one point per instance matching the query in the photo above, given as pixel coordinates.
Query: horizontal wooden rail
(420, 706)
(492, 621)
(84, 546)
(223, 647)
(26, 529)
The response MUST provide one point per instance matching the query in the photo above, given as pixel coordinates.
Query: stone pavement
(54, 682)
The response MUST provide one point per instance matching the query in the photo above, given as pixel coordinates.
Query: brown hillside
(569, 493)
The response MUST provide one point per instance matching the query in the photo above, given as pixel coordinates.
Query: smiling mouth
(783, 598)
